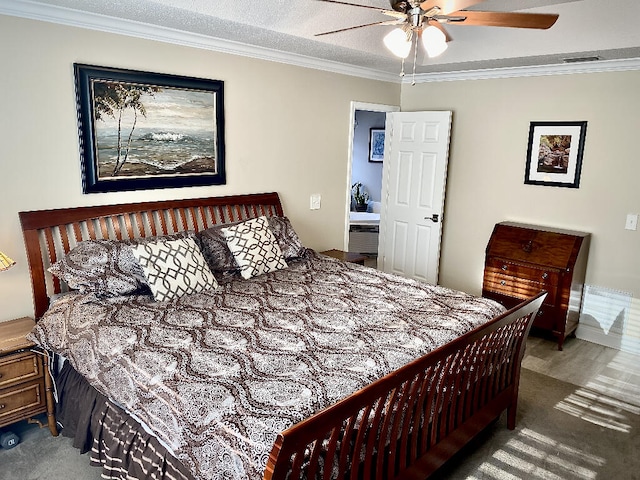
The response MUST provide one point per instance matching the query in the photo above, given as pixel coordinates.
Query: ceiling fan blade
(385, 22)
(391, 13)
(501, 19)
(448, 6)
(439, 26)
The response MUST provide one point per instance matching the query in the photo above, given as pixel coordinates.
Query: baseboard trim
(623, 343)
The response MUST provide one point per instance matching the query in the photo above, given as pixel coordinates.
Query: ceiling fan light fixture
(434, 41)
(398, 42)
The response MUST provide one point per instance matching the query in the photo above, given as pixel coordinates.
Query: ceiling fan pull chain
(415, 57)
(402, 69)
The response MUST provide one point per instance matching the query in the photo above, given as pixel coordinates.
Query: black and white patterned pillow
(174, 268)
(105, 267)
(254, 247)
(216, 252)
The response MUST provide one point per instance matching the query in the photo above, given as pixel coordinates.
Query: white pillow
(174, 268)
(254, 247)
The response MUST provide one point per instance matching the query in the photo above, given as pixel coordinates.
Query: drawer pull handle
(528, 247)
(505, 268)
(503, 283)
(545, 275)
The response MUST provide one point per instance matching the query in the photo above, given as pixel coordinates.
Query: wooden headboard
(50, 234)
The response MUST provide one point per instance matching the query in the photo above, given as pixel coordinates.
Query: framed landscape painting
(554, 154)
(142, 130)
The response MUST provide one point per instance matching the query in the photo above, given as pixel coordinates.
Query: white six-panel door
(413, 186)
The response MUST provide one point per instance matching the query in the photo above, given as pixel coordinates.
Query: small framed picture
(376, 144)
(554, 155)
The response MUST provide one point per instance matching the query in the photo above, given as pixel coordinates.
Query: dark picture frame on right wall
(554, 154)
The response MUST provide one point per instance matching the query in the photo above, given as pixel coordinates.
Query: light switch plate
(314, 203)
(632, 221)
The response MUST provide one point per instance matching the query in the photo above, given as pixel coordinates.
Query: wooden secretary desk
(521, 260)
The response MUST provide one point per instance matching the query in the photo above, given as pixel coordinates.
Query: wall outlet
(314, 203)
(632, 221)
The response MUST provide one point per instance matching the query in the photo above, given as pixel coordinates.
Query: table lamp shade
(5, 262)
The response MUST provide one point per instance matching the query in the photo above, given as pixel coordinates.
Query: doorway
(361, 228)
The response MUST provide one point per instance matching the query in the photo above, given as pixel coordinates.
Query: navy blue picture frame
(156, 154)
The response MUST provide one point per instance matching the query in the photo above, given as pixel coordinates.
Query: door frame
(368, 107)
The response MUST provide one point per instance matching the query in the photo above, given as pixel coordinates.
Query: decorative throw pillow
(174, 268)
(216, 252)
(105, 267)
(254, 247)
(288, 239)
(214, 246)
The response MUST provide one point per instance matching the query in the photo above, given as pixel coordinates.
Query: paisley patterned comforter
(217, 375)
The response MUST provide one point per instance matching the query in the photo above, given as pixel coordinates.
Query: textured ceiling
(607, 29)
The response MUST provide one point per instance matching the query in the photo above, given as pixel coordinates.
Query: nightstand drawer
(25, 384)
(21, 401)
(19, 367)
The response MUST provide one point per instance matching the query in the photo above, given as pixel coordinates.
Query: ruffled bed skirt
(116, 442)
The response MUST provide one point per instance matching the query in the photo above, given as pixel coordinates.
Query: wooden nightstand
(25, 384)
(346, 256)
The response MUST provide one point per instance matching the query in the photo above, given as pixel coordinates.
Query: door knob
(434, 218)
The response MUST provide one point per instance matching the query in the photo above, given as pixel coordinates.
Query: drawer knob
(545, 275)
(504, 268)
(2, 405)
(503, 283)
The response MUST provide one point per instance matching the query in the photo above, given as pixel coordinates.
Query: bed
(320, 369)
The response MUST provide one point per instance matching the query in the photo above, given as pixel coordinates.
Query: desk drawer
(548, 276)
(545, 319)
(21, 401)
(19, 367)
(517, 287)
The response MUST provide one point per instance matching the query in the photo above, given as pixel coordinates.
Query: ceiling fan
(427, 20)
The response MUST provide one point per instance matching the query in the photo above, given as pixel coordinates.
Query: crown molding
(131, 28)
(598, 66)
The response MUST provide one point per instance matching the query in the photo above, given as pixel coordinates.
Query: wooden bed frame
(405, 425)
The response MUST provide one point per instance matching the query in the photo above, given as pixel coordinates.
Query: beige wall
(287, 130)
(486, 173)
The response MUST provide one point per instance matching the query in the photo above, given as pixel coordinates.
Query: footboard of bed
(408, 423)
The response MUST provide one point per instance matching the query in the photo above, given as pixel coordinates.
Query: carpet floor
(563, 432)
